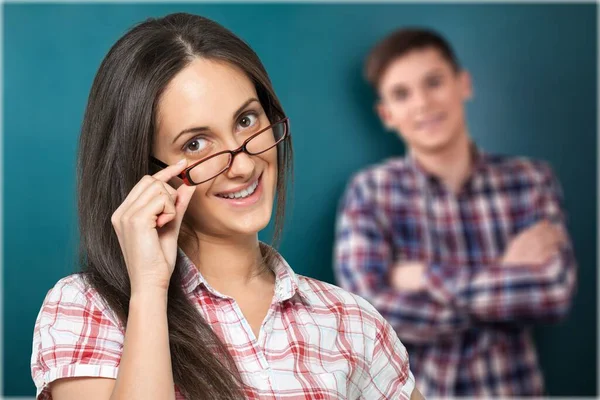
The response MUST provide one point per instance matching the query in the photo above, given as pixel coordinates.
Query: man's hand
(408, 276)
(534, 245)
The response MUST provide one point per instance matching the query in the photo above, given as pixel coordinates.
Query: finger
(555, 229)
(544, 232)
(134, 193)
(171, 171)
(544, 251)
(557, 238)
(541, 230)
(542, 240)
(164, 219)
(146, 198)
(555, 244)
(170, 191)
(553, 237)
(185, 194)
(147, 180)
(141, 187)
(147, 216)
(561, 233)
(156, 188)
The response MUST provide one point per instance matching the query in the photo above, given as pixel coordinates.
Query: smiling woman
(177, 297)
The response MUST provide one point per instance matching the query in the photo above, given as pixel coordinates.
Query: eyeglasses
(215, 164)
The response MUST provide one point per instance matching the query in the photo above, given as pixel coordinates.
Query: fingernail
(182, 161)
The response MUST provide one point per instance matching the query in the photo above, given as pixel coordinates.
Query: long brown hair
(114, 149)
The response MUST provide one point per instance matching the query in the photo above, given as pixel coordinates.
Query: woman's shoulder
(71, 289)
(73, 285)
(72, 297)
(75, 335)
(324, 295)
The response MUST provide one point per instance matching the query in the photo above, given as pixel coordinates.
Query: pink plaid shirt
(317, 341)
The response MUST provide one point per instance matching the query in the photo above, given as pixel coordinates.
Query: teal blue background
(534, 72)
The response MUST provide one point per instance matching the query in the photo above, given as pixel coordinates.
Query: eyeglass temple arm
(158, 162)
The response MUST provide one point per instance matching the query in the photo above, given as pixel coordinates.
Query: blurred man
(461, 250)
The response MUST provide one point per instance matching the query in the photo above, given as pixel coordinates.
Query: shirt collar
(191, 277)
(287, 285)
(479, 156)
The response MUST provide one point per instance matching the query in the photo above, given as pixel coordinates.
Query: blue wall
(534, 71)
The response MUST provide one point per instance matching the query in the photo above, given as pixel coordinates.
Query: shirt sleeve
(363, 257)
(389, 375)
(525, 293)
(74, 336)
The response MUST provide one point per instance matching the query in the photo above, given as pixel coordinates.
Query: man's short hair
(400, 43)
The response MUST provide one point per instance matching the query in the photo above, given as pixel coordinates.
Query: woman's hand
(147, 224)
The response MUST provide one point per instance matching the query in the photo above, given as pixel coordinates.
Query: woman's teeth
(242, 193)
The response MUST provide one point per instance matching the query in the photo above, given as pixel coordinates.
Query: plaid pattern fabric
(317, 341)
(468, 332)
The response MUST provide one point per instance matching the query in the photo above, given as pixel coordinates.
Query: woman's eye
(196, 145)
(247, 121)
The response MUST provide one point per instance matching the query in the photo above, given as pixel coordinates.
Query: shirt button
(265, 375)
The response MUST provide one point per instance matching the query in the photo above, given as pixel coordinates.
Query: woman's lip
(246, 201)
(239, 188)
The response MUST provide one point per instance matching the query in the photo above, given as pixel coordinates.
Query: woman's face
(208, 107)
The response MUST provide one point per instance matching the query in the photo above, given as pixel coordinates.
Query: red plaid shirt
(469, 332)
(316, 342)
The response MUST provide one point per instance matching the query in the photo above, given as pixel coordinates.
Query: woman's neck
(229, 265)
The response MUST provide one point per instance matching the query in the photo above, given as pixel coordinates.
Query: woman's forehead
(205, 92)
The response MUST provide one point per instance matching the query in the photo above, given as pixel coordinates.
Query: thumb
(184, 195)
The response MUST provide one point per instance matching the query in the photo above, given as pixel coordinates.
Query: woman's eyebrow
(198, 129)
(243, 106)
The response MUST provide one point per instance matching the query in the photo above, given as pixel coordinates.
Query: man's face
(422, 98)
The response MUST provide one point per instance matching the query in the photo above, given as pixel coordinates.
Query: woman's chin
(246, 226)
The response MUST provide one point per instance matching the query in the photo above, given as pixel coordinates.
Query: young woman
(184, 148)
